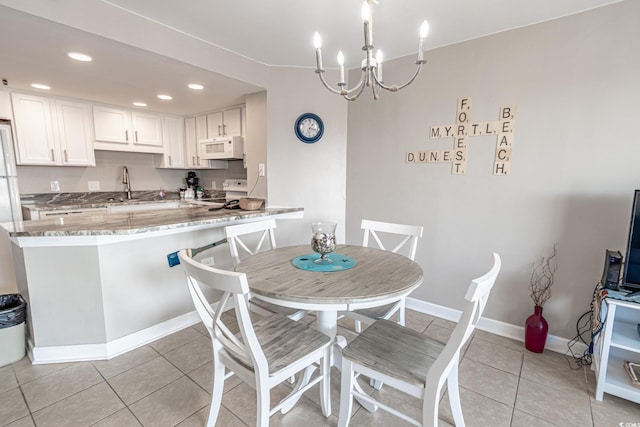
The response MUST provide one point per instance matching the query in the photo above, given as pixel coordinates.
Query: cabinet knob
(136, 135)
(169, 160)
(219, 130)
(66, 156)
(53, 156)
(126, 135)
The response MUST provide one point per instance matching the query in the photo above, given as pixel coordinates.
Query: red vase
(535, 331)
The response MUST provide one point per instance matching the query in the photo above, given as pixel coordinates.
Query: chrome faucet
(125, 181)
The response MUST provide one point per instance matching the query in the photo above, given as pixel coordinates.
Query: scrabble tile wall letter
(461, 130)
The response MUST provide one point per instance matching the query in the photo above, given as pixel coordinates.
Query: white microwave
(221, 148)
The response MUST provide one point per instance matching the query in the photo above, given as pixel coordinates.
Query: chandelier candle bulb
(317, 43)
(379, 58)
(424, 30)
(341, 64)
(366, 19)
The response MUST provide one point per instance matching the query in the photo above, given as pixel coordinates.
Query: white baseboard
(111, 349)
(554, 343)
(84, 352)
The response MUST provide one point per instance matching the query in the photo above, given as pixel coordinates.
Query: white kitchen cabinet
(201, 127)
(147, 129)
(618, 341)
(224, 123)
(124, 130)
(52, 132)
(75, 133)
(192, 148)
(173, 133)
(35, 143)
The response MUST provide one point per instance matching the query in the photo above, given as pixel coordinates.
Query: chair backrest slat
(475, 301)
(235, 232)
(411, 234)
(245, 347)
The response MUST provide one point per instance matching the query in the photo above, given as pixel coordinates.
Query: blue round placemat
(340, 262)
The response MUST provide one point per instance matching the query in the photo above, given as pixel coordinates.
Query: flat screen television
(631, 271)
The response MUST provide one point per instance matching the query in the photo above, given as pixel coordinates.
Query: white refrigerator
(10, 209)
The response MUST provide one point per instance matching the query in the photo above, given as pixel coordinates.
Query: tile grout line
(120, 398)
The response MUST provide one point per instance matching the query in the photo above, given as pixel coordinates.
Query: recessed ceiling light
(139, 104)
(165, 97)
(195, 86)
(40, 86)
(79, 56)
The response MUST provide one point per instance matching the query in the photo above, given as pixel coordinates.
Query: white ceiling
(274, 32)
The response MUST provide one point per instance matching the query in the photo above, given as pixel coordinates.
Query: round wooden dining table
(378, 278)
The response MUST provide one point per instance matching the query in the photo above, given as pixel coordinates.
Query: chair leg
(263, 406)
(401, 312)
(430, 407)
(346, 399)
(358, 326)
(216, 393)
(325, 386)
(454, 395)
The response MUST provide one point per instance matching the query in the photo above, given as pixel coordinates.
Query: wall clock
(309, 128)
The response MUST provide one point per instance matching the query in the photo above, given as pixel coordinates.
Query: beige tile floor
(167, 383)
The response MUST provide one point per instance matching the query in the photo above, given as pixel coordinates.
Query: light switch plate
(55, 186)
(94, 185)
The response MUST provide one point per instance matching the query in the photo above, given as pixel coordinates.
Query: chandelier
(371, 67)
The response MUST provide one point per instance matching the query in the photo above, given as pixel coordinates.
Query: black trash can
(13, 314)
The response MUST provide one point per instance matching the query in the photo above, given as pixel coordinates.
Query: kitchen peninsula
(100, 285)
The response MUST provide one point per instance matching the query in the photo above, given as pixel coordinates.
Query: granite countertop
(102, 199)
(134, 222)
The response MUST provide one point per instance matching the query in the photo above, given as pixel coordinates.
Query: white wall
(311, 176)
(255, 143)
(575, 161)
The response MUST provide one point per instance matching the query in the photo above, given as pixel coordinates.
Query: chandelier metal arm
(324, 82)
(395, 88)
(346, 93)
(359, 87)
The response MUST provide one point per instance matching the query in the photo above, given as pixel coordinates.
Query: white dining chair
(411, 362)
(263, 354)
(400, 238)
(249, 239)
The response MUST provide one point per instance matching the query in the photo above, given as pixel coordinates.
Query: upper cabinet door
(112, 125)
(232, 122)
(75, 133)
(215, 125)
(174, 142)
(35, 137)
(147, 129)
(191, 143)
(225, 123)
(201, 128)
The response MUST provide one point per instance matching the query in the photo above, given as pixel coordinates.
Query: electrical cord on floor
(584, 327)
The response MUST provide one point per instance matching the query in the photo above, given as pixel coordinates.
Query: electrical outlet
(55, 186)
(94, 185)
(261, 169)
(207, 261)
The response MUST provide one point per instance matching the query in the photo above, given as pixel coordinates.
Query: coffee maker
(192, 185)
(192, 180)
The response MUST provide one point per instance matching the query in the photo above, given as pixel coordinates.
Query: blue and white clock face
(309, 128)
